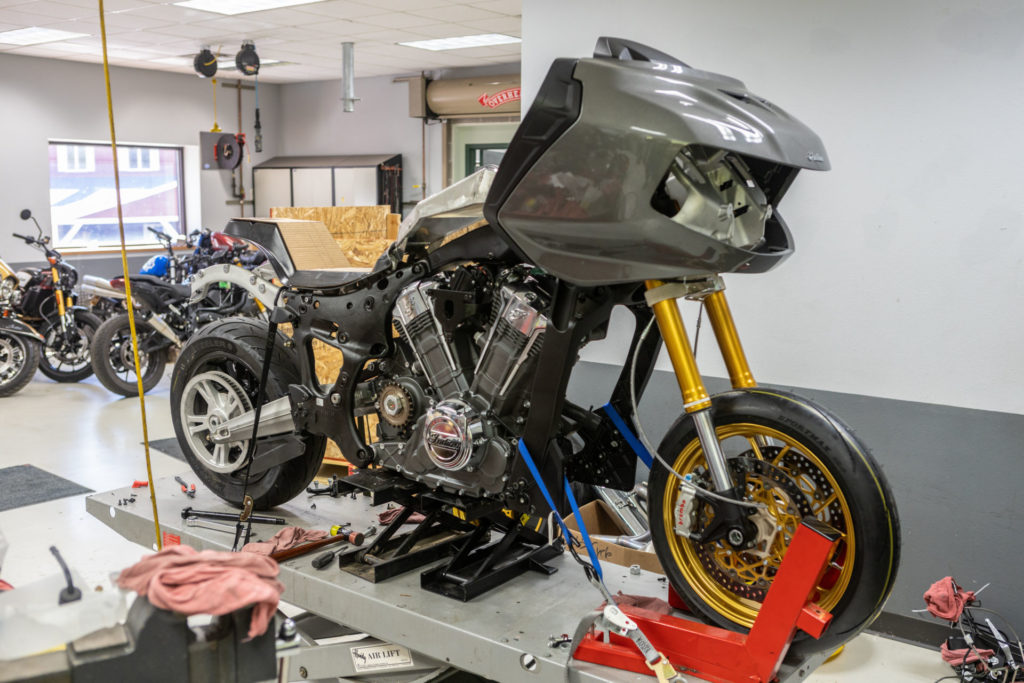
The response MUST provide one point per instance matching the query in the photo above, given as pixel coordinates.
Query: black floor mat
(23, 485)
(168, 447)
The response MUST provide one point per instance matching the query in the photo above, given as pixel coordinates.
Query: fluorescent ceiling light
(241, 6)
(33, 35)
(460, 42)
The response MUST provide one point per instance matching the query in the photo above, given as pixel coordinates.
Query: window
(82, 199)
(75, 159)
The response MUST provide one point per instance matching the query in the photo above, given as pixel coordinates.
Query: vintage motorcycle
(48, 301)
(634, 180)
(20, 344)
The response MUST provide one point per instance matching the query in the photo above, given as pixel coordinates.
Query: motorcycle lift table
(502, 635)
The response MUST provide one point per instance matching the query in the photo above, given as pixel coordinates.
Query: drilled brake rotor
(749, 572)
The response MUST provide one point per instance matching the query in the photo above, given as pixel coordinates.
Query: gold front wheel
(795, 461)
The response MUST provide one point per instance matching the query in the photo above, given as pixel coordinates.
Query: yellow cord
(127, 281)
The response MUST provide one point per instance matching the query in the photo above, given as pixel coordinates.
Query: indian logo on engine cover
(445, 441)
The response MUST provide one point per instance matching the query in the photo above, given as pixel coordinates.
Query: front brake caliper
(684, 514)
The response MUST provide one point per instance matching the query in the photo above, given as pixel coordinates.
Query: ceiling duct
(348, 76)
(474, 97)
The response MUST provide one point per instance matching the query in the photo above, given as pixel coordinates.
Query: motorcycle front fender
(21, 329)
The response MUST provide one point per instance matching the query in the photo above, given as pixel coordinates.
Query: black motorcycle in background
(165, 318)
(19, 344)
(49, 303)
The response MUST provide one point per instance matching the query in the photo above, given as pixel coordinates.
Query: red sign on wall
(499, 98)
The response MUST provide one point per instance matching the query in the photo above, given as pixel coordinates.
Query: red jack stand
(725, 656)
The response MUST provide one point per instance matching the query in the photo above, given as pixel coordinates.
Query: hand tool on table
(354, 537)
(215, 526)
(231, 517)
(139, 484)
(188, 491)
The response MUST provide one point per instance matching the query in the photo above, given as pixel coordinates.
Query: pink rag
(181, 579)
(965, 656)
(389, 516)
(656, 605)
(946, 600)
(286, 538)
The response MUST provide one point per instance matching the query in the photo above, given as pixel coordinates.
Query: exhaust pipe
(163, 328)
(99, 287)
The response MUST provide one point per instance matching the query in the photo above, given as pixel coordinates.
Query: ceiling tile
(405, 5)
(511, 7)
(455, 13)
(108, 5)
(395, 20)
(341, 9)
(510, 26)
(59, 10)
(22, 18)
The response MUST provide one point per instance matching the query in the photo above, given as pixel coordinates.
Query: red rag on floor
(965, 656)
(286, 538)
(389, 516)
(183, 580)
(946, 600)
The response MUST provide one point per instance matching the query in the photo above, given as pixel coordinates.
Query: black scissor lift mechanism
(451, 528)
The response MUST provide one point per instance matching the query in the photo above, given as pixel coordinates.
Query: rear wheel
(797, 461)
(19, 358)
(216, 378)
(66, 357)
(114, 361)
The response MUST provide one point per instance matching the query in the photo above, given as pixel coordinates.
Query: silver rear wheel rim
(208, 400)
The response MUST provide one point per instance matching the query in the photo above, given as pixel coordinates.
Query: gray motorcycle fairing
(583, 211)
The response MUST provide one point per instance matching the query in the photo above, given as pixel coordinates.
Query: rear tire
(19, 359)
(234, 347)
(799, 460)
(113, 361)
(71, 365)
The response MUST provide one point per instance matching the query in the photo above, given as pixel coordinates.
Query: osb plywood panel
(344, 221)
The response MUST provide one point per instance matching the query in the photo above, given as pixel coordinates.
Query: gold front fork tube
(670, 323)
(728, 341)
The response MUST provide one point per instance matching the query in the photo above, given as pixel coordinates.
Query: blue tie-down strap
(523, 451)
(627, 433)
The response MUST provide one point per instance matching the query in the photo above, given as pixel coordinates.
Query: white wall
(315, 124)
(43, 99)
(907, 281)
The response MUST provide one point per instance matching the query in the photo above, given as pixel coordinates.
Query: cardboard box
(599, 519)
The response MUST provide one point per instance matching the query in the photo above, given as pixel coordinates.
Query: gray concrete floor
(84, 433)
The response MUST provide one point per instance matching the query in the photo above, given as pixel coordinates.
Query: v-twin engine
(465, 396)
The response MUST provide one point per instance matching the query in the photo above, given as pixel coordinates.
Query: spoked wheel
(216, 378)
(18, 361)
(796, 461)
(66, 356)
(113, 357)
(209, 400)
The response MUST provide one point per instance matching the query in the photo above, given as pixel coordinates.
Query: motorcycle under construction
(48, 301)
(634, 180)
(20, 344)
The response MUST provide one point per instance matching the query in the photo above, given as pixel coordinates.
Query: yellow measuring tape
(127, 280)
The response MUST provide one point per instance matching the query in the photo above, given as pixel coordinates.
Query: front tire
(113, 359)
(798, 460)
(219, 371)
(70, 362)
(19, 358)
